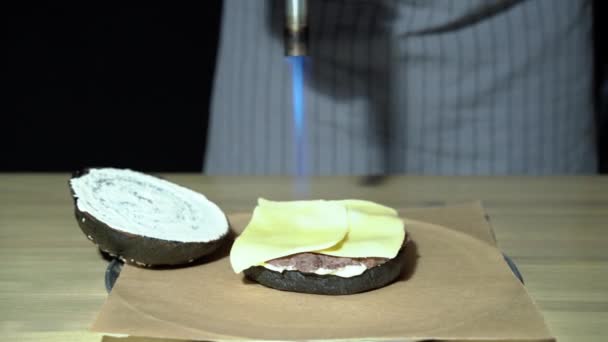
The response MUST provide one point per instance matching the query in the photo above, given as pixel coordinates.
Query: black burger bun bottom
(140, 249)
(295, 281)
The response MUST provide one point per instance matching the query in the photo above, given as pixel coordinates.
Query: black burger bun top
(146, 220)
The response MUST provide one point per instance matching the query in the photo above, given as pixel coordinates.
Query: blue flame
(299, 127)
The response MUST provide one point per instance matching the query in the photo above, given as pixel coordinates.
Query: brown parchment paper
(456, 287)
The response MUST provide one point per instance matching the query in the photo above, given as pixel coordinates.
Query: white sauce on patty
(344, 272)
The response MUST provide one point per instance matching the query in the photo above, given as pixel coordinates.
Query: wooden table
(555, 228)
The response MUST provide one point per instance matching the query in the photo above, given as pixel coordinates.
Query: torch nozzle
(296, 28)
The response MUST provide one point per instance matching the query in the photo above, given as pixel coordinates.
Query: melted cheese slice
(369, 236)
(347, 228)
(278, 229)
(368, 207)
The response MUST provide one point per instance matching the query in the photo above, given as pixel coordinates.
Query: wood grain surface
(555, 229)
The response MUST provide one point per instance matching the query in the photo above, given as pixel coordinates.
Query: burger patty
(310, 262)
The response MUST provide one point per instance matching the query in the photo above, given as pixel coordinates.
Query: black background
(125, 85)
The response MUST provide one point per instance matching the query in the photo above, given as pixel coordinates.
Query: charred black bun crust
(137, 249)
(296, 281)
(141, 250)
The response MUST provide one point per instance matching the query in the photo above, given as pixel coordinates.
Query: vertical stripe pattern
(434, 87)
